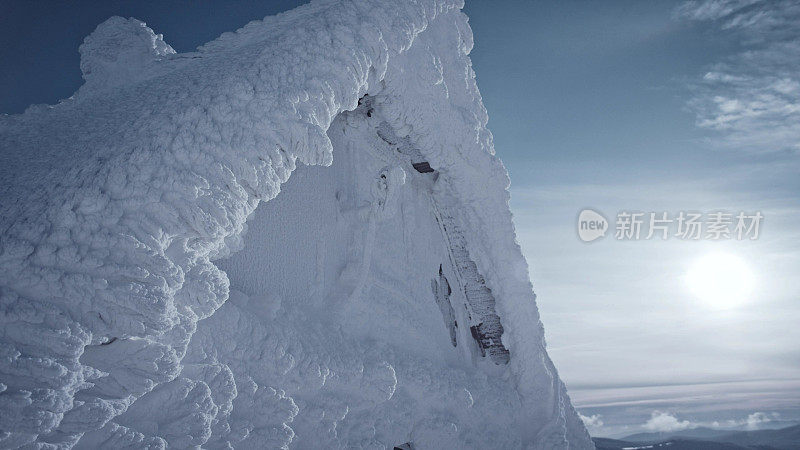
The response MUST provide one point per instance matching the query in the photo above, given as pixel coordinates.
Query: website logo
(591, 225)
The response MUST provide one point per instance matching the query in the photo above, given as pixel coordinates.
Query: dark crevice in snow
(441, 292)
(485, 326)
(422, 167)
(484, 323)
(398, 140)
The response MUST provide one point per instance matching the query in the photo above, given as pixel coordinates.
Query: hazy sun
(721, 280)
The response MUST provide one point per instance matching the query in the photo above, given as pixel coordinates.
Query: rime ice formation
(171, 277)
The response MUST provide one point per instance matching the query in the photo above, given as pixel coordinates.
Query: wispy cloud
(756, 420)
(664, 421)
(594, 422)
(752, 99)
(667, 422)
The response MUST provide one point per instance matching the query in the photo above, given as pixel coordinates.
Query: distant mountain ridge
(692, 433)
(708, 439)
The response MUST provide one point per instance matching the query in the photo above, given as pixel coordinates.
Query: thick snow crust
(171, 276)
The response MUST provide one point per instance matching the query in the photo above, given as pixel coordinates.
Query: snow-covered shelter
(224, 248)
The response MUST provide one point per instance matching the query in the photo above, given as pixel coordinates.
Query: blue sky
(618, 105)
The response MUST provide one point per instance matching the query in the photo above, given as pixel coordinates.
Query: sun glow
(721, 280)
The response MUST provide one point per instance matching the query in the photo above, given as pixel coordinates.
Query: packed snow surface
(170, 276)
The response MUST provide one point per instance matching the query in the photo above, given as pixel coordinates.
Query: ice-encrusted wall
(118, 328)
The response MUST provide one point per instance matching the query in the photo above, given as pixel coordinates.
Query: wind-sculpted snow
(120, 205)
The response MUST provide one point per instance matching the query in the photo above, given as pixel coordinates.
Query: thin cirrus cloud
(751, 98)
(743, 405)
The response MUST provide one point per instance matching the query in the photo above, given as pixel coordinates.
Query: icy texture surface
(156, 290)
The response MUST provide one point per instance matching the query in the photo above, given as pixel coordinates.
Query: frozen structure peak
(120, 51)
(296, 237)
